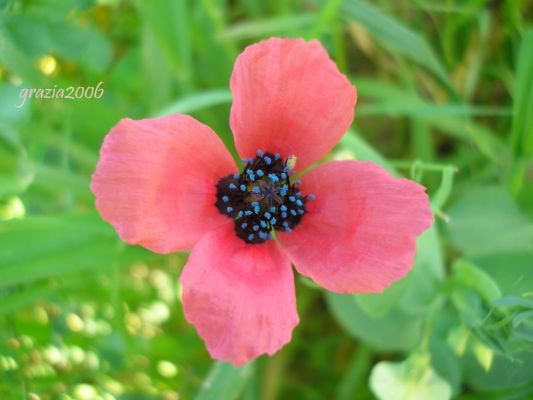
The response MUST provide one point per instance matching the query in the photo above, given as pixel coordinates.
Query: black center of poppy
(262, 197)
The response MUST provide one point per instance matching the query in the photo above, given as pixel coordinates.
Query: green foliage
(445, 94)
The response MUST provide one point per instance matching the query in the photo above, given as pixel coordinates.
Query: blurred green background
(445, 98)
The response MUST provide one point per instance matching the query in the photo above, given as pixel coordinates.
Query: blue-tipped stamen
(268, 198)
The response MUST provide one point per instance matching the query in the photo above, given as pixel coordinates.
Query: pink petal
(290, 98)
(359, 234)
(240, 297)
(155, 181)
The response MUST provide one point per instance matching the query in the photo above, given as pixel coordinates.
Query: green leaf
(486, 220)
(395, 35)
(16, 173)
(224, 382)
(284, 25)
(379, 304)
(41, 247)
(198, 101)
(503, 373)
(471, 276)
(361, 150)
(395, 331)
(167, 20)
(522, 128)
(408, 380)
(513, 301)
(512, 271)
(426, 276)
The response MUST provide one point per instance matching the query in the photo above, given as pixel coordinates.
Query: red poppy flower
(169, 185)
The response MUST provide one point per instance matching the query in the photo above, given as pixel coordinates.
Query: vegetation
(445, 94)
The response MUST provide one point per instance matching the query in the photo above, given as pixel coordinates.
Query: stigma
(263, 198)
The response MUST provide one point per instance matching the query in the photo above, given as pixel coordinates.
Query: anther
(264, 195)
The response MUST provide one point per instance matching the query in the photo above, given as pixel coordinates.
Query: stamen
(267, 198)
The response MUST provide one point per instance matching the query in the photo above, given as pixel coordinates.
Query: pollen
(262, 198)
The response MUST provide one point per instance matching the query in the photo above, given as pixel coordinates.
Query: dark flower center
(262, 197)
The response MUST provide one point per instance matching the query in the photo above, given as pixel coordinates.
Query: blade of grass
(198, 101)
(522, 126)
(224, 382)
(285, 25)
(396, 36)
